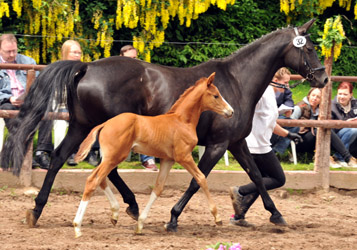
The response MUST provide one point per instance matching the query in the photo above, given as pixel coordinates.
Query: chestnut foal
(170, 137)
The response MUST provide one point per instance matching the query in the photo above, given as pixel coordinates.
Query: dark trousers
(308, 145)
(271, 170)
(44, 141)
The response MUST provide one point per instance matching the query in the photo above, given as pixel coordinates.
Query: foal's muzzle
(228, 113)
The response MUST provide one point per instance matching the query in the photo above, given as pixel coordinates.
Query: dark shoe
(70, 160)
(43, 160)
(35, 164)
(150, 165)
(240, 222)
(92, 158)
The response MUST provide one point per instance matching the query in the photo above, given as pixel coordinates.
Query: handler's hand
(295, 137)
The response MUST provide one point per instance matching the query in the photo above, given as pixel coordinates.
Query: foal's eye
(215, 97)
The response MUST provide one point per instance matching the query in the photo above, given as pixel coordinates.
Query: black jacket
(338, 112)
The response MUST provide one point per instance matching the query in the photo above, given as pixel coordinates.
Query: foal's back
(157, 136)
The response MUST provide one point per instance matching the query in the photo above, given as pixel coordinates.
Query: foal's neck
(190, 108)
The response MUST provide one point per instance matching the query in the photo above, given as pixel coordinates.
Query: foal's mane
(183, 96)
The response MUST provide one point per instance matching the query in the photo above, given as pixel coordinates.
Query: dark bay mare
(102, 89)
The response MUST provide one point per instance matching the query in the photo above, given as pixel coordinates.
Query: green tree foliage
(217, 34)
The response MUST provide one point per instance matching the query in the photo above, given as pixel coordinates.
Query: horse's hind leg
(165, 167)
(93, 181)
(114, 204)
(58, 157)
(126, 193)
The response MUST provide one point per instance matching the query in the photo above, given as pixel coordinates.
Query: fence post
(323, 137)
(26, 169)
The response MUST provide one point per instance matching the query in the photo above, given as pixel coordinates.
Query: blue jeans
(280, 144)
(144, 158)
(347, 136)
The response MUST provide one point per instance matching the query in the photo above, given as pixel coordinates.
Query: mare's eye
(215, 97)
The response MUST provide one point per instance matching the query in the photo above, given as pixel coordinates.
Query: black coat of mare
(104, 88)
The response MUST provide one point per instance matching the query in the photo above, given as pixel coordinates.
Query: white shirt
(264, 121)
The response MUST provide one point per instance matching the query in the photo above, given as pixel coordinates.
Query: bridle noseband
(278, 85)
(299, 42)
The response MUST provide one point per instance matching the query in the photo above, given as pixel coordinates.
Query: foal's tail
(51, 85)
(86, 145)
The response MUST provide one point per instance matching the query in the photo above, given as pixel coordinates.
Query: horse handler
(264, 125)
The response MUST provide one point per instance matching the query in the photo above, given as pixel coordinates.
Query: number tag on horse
(299, 41)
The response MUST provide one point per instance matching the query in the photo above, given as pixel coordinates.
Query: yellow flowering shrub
(332, 37)
(288, 6)
(55, 21)
(4, 9)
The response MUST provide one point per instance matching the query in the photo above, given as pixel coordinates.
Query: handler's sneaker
(342, 164)
(333, 163)
(240, 222)
(352, 163)
(150, 165)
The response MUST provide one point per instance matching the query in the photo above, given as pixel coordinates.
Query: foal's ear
(211, 79)
(305, 27)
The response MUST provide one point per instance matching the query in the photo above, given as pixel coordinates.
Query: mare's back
(120, 84)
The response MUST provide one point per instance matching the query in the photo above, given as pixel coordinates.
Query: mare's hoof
(133, 213)
(170, 227)
(278, 220)
(113, 221)
(30, 218)
(219, 223)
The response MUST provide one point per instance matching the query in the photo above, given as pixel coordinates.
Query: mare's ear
(211, 79)
(305, 27)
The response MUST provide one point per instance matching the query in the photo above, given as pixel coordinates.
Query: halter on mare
(300, 42)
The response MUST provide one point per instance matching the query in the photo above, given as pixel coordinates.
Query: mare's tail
(86, 145)
(52, 83)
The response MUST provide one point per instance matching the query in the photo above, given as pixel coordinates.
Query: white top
(264, 121)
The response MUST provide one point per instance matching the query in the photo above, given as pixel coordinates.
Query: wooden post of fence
(323, 137)
(26, 170)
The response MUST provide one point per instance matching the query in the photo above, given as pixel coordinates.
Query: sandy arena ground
(317, 220)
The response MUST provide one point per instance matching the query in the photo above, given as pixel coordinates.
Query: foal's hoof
(30, 218)
(113, 221)
(133, 213)
(278, 220)
(219, 223)
(170, 227)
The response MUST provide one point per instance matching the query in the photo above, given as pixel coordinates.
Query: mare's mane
(183, 96)
(251, 46)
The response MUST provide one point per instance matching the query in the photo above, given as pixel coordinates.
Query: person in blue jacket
(12, 90)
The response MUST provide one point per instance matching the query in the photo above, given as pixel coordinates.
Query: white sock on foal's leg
(145, 213)
(114, 204)
(77, 222)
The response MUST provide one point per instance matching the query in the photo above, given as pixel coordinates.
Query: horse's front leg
(189, 164)
(241, 152)
(58, 158)
(209, 159)
(165, 167)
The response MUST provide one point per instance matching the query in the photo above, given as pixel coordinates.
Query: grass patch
(233, 164)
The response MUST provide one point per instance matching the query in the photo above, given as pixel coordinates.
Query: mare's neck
(255, 66)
